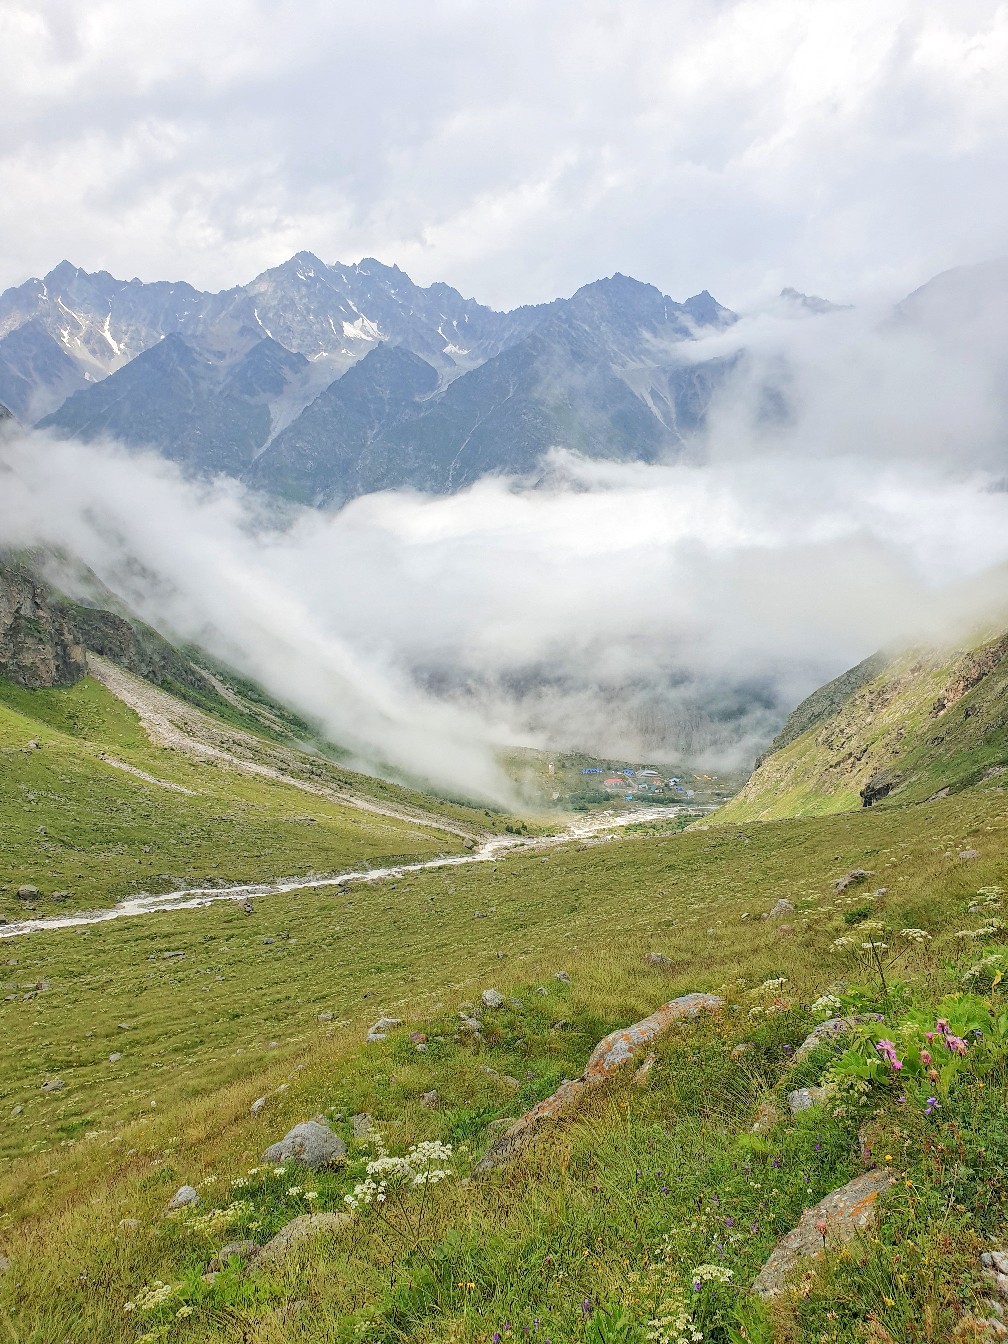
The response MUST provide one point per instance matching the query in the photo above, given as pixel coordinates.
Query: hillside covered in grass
(896, 730)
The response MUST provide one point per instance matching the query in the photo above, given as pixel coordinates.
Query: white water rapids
(194, 898)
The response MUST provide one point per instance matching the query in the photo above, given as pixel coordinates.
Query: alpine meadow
(504, 799)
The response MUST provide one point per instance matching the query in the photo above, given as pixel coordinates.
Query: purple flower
(729, 1222)
(497, 1337)
(888, 1052)
(930, 1106)
(696, 1285)
(586, 1306)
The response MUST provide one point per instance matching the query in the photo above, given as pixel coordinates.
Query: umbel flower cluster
(421, 1166)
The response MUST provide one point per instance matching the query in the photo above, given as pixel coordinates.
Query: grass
(609, 1212)
(72, 821)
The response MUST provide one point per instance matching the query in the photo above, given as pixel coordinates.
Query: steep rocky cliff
(39, 644)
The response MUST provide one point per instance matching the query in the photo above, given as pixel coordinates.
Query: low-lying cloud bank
(847, 498)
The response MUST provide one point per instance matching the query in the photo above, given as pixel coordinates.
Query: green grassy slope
(73, 821)
(927, 722)
(583, 1218)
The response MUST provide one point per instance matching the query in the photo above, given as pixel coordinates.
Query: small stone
(432, 1099)
(660, 961)
(965, 855)
(4, 1263)
(361, 1126)
(114, 1057)
(183, 1198)
(27, 893)
(380, 1029)
(16, 1110)
(833, 1026)
(563, 977)
(130, 1224)
(804, 1098)
(312, 1143)
(53, 1085)
(325, 1017)
(125, 1026)
(257, 1105)
(491, 998)
(418, 1038)
(851, 879)
(269, 941)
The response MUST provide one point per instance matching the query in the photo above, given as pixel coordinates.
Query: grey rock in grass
(129, 1224)
(780, 908)
(4, 1263)
(257, 1105)
(312, 1144)
(563, 977)
(27, 893)
(804, 1098)
(832, 1222)
(305, 1228)
(243, 1251)
(16, 1110)
(660, 961)
(361, 1126)
(850, 879)
(114, 1057)
(828, 1030)
(380, 1029)
(432, 1098)
(325, 1017)
(492, 998)
(965, 855)
(184, 1198)
(53, 1085)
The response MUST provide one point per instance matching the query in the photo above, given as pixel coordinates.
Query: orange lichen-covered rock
(608, 1057)
(834, 1220)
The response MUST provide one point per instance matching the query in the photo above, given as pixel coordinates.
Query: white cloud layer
(668, 611)
(516, 150)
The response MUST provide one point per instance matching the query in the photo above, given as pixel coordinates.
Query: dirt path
(177, 726)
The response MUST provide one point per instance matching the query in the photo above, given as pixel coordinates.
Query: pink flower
(888, 1051)
(925, 1057)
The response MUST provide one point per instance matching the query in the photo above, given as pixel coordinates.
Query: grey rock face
(39, 647)
(833, 1221)
(183, 1198)
(311, 1143)
(491, 998)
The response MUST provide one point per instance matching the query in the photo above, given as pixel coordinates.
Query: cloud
(515, 150)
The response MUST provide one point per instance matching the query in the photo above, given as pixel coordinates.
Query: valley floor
(134, 1051)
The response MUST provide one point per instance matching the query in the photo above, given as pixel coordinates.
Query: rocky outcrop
(608, 1057)
(39, 646)
(832, 1222)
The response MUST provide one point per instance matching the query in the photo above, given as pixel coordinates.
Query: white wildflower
(826, 1005)
(916, 935)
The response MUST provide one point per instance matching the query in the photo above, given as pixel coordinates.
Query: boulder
(492, 998)
(312, 1144)
(305, 1228)
(833, 1221)
(966, 855)
(27, 893)
(608, 1057)
(380, 1029)
(53, 1085)
(114, 1057)
(780, 908)
(257, 1105)
(183, 1198)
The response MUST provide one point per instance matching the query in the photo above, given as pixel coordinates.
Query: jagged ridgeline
(899, 729)
(317, 383)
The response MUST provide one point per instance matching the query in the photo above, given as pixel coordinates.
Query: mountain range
(318, 383)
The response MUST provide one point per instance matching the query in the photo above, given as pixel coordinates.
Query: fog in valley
(848, 493)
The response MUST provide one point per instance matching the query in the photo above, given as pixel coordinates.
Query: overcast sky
(515, 149)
